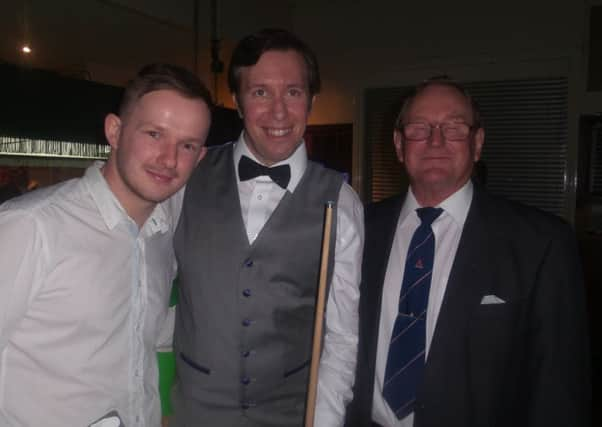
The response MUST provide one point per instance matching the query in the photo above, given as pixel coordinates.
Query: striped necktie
(405, 361)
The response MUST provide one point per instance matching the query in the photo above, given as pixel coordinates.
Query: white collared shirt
(448, 230)
(83, 306)
(259, 197)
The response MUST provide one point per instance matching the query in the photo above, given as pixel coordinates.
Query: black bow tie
(249, 169)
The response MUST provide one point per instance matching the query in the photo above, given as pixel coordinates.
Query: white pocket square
(492, 299)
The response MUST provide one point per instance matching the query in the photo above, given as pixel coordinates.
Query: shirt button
(245, 380)
(246, 322)
(247, 292)
(246, 353)
(248, 262)
(260, 197)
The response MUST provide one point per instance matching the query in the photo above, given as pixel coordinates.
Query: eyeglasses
(424, 131)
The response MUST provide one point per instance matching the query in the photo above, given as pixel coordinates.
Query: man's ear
(112, 130)
(479, 140)
(237, 105)
(398, 143)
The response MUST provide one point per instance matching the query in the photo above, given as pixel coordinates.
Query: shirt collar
(109, 207)
(297, 161)
(456, 205)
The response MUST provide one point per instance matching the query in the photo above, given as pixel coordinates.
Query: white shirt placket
(138, 307)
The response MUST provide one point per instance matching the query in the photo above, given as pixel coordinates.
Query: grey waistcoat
(245, 312)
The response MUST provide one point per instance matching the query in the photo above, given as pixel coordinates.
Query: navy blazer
(521, 363)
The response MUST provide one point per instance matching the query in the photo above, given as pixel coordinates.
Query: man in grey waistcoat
(248, 249)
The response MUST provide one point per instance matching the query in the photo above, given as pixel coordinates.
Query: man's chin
(437, 183)
(158, 195)
(436, 178)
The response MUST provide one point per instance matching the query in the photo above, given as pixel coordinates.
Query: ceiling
(108, 40)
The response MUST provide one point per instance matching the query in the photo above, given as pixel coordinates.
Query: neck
(430, 196)
(139, 215)
(138, 211)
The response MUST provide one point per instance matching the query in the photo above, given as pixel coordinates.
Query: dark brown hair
(248, 51)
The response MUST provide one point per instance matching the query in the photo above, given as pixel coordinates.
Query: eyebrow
(144, 123)
(256, 84)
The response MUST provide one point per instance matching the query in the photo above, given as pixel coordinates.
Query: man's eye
(295, 92)
(259, 92)
(153, 134)
(191, 147)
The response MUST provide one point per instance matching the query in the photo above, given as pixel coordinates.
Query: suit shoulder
(216, 155)
(384, 208)
(518, 219)
(324, 172)
(214, 152)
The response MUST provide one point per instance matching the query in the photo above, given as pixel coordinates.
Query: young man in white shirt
(87, 267)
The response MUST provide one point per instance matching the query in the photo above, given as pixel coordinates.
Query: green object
(167, 373)
(167, 365)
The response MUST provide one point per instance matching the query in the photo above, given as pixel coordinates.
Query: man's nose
(437, 137)
(169, 155)
(279, 108)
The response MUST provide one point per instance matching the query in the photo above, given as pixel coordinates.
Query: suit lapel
(384, 231)
(227, 198)
(380, 234)
(467, 282)
(381, 223)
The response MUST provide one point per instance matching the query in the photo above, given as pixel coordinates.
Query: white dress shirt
(447, 229)
(259, 197)
(83, 306)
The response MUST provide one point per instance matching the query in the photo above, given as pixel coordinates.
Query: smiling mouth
(278, 132)
(436, 158)
(161, 177)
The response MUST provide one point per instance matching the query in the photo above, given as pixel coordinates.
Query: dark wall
(39, 104)
(43, 105)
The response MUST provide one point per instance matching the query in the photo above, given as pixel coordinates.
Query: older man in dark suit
(472, 307)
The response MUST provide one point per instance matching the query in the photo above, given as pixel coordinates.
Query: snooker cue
(310, 406)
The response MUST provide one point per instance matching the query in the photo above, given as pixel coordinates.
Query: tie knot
(428, 215)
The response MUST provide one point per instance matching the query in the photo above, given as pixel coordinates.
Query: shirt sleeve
(339, 353)
(23, 261)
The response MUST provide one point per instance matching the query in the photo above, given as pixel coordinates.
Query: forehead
(439, 102)
(276, 66)
(167, 107)
(163, 99)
